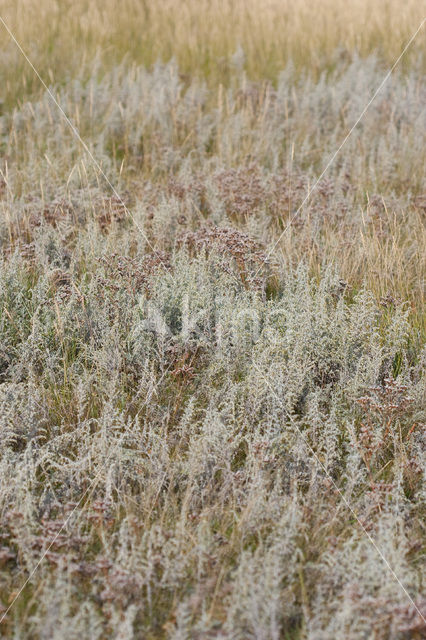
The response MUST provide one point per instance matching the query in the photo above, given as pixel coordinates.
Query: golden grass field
(212, 326)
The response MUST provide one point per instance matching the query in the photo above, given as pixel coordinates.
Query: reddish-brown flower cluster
(52, 213)
(56, 535)
(61, 283)
(102, 513)
(110, 210)
(389, 302)
(6, 554)
(122, 587)
(74, 212)
(242, 190)
(25, 249)
(134, 274)
(383, 408)
(246, 254)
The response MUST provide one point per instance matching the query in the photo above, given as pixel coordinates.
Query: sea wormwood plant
(183, 422)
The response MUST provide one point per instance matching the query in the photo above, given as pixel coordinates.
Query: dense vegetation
(212, 386)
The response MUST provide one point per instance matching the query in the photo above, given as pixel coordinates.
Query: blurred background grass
(63, 37)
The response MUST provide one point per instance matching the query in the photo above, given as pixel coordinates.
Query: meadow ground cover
(210, 428)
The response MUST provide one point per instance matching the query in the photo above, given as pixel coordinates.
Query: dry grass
(183, 382)
(202, 35)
